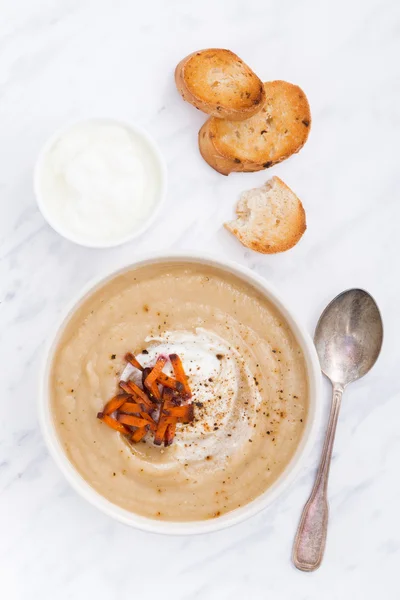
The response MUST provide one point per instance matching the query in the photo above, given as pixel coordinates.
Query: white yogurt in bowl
(100, 182)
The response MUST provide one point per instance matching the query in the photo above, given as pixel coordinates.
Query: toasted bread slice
(219, 83)
(270, 218)
(280, 129)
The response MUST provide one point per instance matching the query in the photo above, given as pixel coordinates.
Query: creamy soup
(246, 371)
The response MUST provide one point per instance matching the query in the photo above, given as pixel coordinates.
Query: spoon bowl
(349, 336)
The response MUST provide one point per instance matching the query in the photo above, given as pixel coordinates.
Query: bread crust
(235, 98)
(279, 130)
(257, 233)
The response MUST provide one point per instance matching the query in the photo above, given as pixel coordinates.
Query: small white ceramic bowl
(160, 171)
(235, 516)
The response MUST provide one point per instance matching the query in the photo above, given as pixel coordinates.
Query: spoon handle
(309, 544)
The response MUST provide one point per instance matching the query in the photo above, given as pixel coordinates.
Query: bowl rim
(159, 163)
(235, 516)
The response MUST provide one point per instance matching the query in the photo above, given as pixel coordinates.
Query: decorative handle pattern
(309, 544)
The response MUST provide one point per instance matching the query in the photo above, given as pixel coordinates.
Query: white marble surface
(62, 60)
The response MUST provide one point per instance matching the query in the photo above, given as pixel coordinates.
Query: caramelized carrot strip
(147, 418)
(156, 370)
(184, 414)
(171, 427)
(162, 420)
(138, 434)
(133, 421)
(139, 393)
(115, 403)
(131, 407)
(131, 388)
(133, 360)
(124, 386)
(113, 423)
(168, 398)
(160, 432)
(170, 382)
(169, 434)
(153, 390)
(180, 374)
(145, 374)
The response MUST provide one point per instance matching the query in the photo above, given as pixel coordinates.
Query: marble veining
(61, 61)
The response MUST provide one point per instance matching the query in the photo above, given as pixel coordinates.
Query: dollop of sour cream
(99, 181)
(223, 392)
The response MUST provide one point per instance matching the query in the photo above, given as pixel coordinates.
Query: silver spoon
(348, 339)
